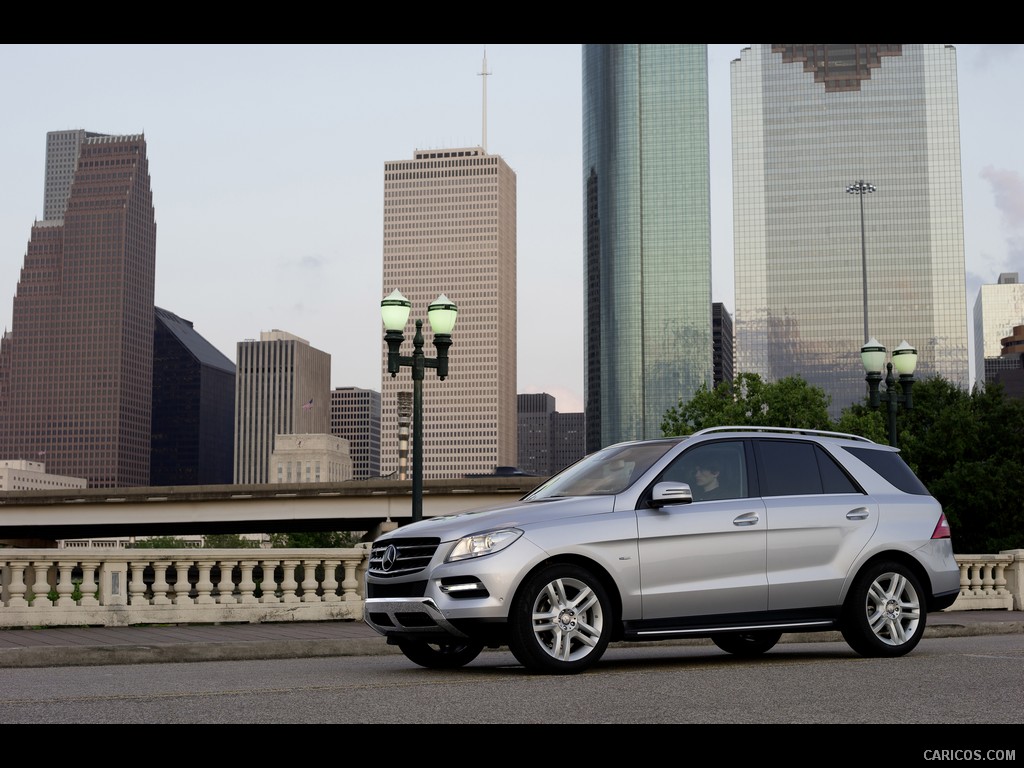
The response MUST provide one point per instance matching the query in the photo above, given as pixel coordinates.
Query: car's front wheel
(747, 644)
(885, 612)
(561, 620)
(440, 655)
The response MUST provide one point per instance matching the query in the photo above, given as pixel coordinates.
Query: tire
(747, 644)
(885, 613)
(448, 654)
(561, 621)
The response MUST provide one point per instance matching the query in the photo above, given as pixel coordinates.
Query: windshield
(608, 471)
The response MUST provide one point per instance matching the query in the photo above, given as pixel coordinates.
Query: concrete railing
(118, 587)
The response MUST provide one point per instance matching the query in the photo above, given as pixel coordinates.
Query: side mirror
(664, 494)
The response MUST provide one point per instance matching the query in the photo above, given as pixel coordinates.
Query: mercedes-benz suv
(737, 534)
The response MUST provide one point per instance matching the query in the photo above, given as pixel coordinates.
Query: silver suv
(738, 534)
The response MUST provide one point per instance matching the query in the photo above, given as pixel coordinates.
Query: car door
(818, 521)
(705, 557)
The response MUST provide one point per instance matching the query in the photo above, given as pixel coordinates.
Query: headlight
(483, 544)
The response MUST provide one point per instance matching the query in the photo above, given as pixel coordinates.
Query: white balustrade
(63, 587)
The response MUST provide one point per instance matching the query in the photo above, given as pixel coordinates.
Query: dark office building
(721, 343)
(193, 407)
(76, 368)
(548, 440)
(355, 416)
(568, 439)
(534, 432)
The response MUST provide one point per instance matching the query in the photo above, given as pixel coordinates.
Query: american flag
(308, 406)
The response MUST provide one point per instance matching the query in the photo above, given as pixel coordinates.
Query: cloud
(1008, 190)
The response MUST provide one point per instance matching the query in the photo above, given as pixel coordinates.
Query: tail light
(941, 528)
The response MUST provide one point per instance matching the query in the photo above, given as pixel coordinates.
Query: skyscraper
(997, 310)
(193, 407)
(76, 368)
(282, 387)
(355, 416)
(647, 198)
(816, 267)
(450, 228)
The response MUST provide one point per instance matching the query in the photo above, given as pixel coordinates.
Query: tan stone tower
(450, 228)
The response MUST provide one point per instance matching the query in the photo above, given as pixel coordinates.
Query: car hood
(518, 514)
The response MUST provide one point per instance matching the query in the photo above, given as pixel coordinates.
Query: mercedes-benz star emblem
(390, 556)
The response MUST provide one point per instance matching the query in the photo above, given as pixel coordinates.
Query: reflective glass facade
(647, 270)
(808, 122)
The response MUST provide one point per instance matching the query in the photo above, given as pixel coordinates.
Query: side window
(833, 478)
(712, 470)
(788, 468)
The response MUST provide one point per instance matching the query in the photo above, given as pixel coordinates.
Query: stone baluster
(1000, 579)
(65, 588)
(976, 580)
(41, 585)
(330, 584)
(137, 584)
(89, 585)
(204, 587)
(246, 584)
(309, 582)
(160, 585)
(288, 583)
(226, 587)
(269, 586)
(182, 587)
(15, 587)
(350, 584)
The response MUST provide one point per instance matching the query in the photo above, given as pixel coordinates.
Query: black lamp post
(394, 311)
(904, 358)
(861, 188)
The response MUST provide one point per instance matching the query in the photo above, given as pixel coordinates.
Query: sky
(267, 169)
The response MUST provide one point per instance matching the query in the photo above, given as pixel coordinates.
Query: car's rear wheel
(747, 644)
(561, 620)
(885, 612)
(440, 655)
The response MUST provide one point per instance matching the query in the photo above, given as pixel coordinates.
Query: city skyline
(268, 191)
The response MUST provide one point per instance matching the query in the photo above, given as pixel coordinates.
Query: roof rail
(788, 430)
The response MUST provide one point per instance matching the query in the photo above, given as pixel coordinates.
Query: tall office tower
(534, 426)
(847, 211)
(76, 369)
(997, 310)
(193, 407)
(450, 228)
(722, 348)
(355, 416)
(282, 387)
(647, 261)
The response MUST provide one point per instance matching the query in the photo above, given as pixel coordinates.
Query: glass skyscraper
(815, 265)
(647, 235)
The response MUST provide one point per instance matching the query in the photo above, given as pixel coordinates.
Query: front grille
(413, 555)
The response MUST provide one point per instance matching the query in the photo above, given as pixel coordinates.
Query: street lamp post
(861, 188)
(394, 311)
(904, 358)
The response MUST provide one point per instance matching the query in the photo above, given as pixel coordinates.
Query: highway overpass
(37, 518)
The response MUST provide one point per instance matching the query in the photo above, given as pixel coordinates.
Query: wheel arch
(896, 556)
(610, 587)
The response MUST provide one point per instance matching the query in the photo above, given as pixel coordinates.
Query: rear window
(893, 468)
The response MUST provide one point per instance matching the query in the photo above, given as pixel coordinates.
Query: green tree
(160, 542)
(748, 401)
(968, 449)
(314, 539)
(228, 541)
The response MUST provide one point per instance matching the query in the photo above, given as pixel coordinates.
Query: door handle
(860, 513)
(748, 518)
